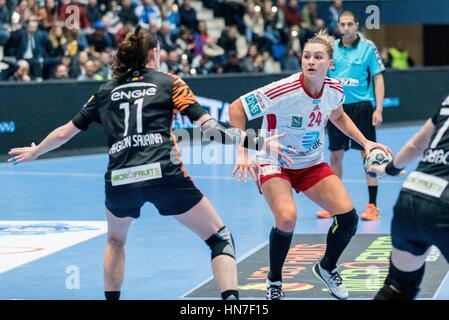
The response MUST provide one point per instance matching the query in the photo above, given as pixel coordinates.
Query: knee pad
(407, 283)
(346, 224)
(221, 243)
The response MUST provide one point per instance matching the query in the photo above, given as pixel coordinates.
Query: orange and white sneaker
(323, 214)
(370, 213)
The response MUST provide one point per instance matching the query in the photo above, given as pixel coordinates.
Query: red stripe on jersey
(336, 88)
(280, 93)
(281, 87)
(271, 121)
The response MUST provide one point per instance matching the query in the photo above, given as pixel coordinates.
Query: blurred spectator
(22, 72)
(274, 30)
(112, 18)
(33, 6)
(23, 10)
(269, 65)
(400, 58)
(163, 61)
(5, 21)
(90, 72)
(122, 32)
(127, 13)
(188, 16)
(386, 58)
(61, 72)
(170, 13)
(233, 12)
(48, 14)
(56, 48)
(147, 12)
(79, 63)
(185, 41)
(92, 11)
(200, 38)
(57, 41)
(173, 62)
(184, 66)
(331, 18)
(253, 62)
(291, 13)
(77, 41)
(228, 39)
(71, 65)
(65, 12)
(309, 15)
(272, 15)
(254, 22)
(105, 70)
(233, 64)
(29, 44)
(215, 53)
(203, 65)
(292, 61)
(165, 38)
(16, 24)
(100, 39)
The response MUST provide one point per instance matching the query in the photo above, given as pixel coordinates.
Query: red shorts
(300, 179)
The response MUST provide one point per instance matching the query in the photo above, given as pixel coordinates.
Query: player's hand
(244, 164)
(380, 170)
(374, 145)
(272, 145)
(22, 154)
(377, 118)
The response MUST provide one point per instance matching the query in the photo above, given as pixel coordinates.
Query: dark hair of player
(132, 53)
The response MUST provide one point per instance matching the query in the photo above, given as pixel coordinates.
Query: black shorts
(420, 222)
(361, 114)
(171, 198)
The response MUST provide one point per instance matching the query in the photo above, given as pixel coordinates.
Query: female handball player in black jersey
(136, 111)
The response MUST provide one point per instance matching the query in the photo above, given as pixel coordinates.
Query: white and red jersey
(287, 106)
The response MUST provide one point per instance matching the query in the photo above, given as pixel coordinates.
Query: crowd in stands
(76, 39)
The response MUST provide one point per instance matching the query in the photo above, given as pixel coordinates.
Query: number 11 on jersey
(125, 107)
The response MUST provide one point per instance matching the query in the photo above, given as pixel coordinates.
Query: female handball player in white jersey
(300, 106)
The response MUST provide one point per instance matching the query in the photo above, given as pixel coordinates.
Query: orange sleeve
(182, 96)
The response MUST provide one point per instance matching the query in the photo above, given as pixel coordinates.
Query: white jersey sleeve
(269, 98)
(256, 103)
(337, 92)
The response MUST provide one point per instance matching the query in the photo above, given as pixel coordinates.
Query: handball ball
(377, 157)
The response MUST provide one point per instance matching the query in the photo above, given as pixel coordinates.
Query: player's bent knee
(286, 224)
(347, 222)
(116, 242)
(221, 243)
(401, 285)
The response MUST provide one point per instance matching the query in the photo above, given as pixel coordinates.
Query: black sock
(279, 245)
(230, 295)
(338, 237)
(372, 191)
(112, 295)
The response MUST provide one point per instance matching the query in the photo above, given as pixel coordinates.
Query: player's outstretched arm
(54, 140)
(342, 121)
(409, 152)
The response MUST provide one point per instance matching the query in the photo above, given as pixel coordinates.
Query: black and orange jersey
(136, 115)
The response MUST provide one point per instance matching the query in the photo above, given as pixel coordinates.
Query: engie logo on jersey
(120, 94)
(254, 104)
